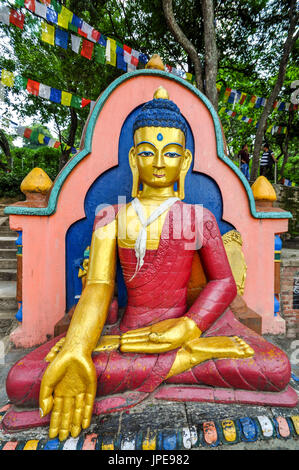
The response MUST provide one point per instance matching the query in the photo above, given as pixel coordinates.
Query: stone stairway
(8, 276)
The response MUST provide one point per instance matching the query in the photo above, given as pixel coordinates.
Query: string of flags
(232, 96)
(90, 42)
(37, 137)
(272, 128)
(43, 91)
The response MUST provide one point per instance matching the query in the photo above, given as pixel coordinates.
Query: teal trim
(53, 199)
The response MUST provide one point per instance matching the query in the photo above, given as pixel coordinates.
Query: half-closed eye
(172, 154)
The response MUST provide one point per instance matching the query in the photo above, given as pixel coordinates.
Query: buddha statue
(159, 340)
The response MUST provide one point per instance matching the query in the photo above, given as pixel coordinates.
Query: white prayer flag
(44, 91)
(4, 14)
(40, 10)
(76, 41)
(20, 130)
(108, 50)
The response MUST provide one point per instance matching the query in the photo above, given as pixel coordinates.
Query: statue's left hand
(160, 337)
(68, 389)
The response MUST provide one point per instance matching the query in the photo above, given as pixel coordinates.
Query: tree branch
(183, 41)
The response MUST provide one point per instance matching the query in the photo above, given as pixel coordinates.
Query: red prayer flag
(30, 5)
(87, 48)
(135, 60)
(56, 145)
(85, 102)
(33, 87)
(17, 18)
(95, 35)
(127, 49)
(169, 68)
(27, 133)
(82, 33)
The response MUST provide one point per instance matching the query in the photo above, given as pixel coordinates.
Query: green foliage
(24, 160)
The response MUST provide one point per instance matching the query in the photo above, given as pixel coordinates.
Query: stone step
(8, 300)
(7, 322)
(8, 253)
(8, 263)
(6, 232)
(8, 274)
(4, 221)
(7, 242)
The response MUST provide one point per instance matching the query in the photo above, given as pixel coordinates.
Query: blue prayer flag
(258, 102)
(61, 38)
(231, 98)
(120, 63)
(51, 15)
(46, 140)
(102, 40)
(55, 95)
(76, 21)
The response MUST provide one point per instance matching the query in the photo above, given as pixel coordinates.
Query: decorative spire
(263, 190)
(161, 93)
(37, 181)
(155, 62)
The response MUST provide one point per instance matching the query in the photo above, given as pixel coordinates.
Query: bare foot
(218, 347)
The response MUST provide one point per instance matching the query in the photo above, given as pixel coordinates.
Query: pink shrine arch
(44, 229)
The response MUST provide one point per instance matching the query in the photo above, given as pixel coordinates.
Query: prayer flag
(135, 57)
(44, 91)
(102, 40)
(40, 138)
(41, 10)
(66, 98)
(48, 33)
(52, 15)
(120, 63)
(7, 78)
(64, 17)
(227, 94)
(281, 107)
(252, 101)
(61, 38)
(19, 3)
(243, 98)
(55, 95)
(51, 142)
(168, 68)
(95, 35)
(111, 52)
(76, 42)
(46, 2)
(17, 18)
(77, 22)
(20, 130)
(33, 87)
(100, 54)
(231, 98)
(46, 139)
(20, 83)
(27, 133)
(87, 48)
(85, 102)
(30, 5)
(76, 102)
(56, 5)
(4, 14)
(143, 58)
(56, 145)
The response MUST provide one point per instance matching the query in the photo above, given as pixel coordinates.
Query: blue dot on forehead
(160, 136)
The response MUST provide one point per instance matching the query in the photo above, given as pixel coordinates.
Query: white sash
(140, 244)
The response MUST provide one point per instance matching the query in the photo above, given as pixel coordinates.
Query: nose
(159, 161)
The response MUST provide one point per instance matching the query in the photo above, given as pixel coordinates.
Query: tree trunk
(4, 144)
(285, 146)
(65, 153)
(288, 45)
(184, 42)
(211, 54)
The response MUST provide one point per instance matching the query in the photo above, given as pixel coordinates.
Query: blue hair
(160, 112)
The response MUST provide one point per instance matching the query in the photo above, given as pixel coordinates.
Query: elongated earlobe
(135, 172)
(183, 173)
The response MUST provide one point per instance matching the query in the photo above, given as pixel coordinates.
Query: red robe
(159, 292)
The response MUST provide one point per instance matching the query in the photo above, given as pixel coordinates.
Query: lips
(158, 176)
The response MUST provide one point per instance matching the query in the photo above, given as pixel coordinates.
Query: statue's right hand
(68, 389)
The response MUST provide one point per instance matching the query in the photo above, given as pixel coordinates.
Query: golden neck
(149, 193)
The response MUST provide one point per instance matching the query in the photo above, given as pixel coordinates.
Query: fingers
(141, 332)
(145, 347)
(247, 350)
(78, 415)
(89, 400)
(55, 417)
(66, 417)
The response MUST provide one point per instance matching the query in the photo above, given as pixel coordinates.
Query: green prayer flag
(56, 5)
(73, 28)
(100, 54)
(76, 102)
(20, 82)
(34, 136)
(19, 3)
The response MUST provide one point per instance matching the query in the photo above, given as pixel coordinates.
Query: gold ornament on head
(161, 93)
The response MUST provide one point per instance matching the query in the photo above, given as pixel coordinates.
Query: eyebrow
(145, 142)
(174, 143)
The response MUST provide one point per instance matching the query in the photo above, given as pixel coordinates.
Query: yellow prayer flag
(64, 17)
(7, 78)
(66, 98)
(48, 33)
(112, 59)
(40, 138)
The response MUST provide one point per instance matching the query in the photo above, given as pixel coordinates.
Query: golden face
(159, 154)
